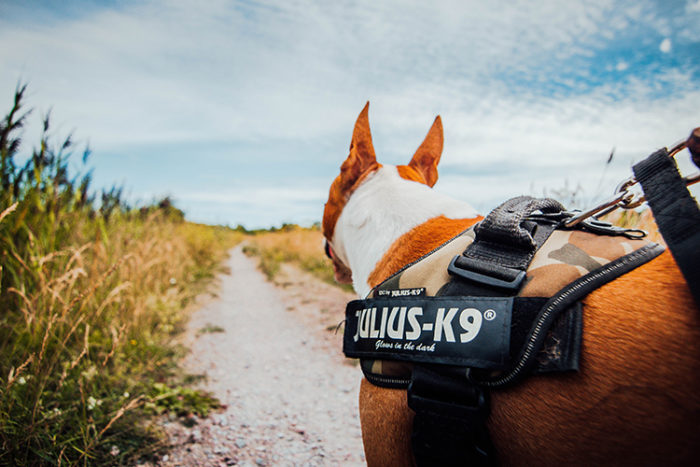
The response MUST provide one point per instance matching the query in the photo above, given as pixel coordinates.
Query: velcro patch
(464, 331)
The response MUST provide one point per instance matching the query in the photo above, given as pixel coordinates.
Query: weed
(210, 329)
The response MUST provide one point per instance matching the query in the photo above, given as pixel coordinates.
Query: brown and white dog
(636, 399)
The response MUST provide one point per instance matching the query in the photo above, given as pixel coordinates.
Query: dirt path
(290, 395)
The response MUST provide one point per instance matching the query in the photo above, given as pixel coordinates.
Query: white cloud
(155, 74)
(177, 71)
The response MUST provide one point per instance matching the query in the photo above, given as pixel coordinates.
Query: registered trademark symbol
(489, 315)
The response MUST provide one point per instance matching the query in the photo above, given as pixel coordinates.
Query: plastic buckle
(485, 279)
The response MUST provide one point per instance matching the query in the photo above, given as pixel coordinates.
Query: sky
(242, 111)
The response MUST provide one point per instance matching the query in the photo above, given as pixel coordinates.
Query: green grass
(211, 329)
(91, 300)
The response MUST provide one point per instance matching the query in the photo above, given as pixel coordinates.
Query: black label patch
(473, 331)
(417, 292)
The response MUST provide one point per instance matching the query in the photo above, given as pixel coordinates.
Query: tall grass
(90, 301)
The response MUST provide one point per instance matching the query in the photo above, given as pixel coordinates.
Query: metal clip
(606, 206)
(626, 199)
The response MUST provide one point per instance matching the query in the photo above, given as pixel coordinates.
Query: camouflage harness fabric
(489, 307)
(566, 256)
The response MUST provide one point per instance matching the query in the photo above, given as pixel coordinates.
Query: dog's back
(633, 402)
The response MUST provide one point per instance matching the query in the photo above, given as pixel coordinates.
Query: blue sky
(242, 111)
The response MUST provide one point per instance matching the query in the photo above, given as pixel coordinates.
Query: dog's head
(360, 163)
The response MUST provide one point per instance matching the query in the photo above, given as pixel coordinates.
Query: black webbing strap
(676, 213)
(449, 428)
(504, 246)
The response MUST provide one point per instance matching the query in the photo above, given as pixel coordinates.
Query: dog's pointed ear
(426, 158)
(362, 157)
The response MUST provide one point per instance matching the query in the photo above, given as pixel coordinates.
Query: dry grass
(301, 246)
(90, 302)
(88, 337)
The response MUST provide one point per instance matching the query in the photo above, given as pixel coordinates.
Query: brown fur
(423, 165)
(634, 402)
(386, 425)
(360, 162)
(412, 244)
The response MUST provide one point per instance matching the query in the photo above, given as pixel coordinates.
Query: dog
(636, 398)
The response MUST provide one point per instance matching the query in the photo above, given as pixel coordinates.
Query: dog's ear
(426, 158)
(362, 157)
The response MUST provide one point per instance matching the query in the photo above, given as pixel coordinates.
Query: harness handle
(505, 243)
(503, 224)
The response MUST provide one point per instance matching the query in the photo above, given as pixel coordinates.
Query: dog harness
(498, 302)
(502, 301)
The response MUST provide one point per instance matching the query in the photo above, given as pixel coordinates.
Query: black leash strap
(676, 213)
(449, 428)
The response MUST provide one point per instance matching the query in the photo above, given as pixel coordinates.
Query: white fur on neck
(384, 207)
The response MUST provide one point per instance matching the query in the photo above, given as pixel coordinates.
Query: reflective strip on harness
(463, 331)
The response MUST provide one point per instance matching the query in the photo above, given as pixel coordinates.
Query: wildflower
(132, 341)
(21, 381)
(125, 395)
(91, 403)
(115, 450)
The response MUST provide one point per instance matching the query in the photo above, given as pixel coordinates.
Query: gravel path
(290, 395)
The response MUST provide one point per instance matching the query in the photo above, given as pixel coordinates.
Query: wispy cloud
(196, 87)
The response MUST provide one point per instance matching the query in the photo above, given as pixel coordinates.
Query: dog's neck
(382, 209)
